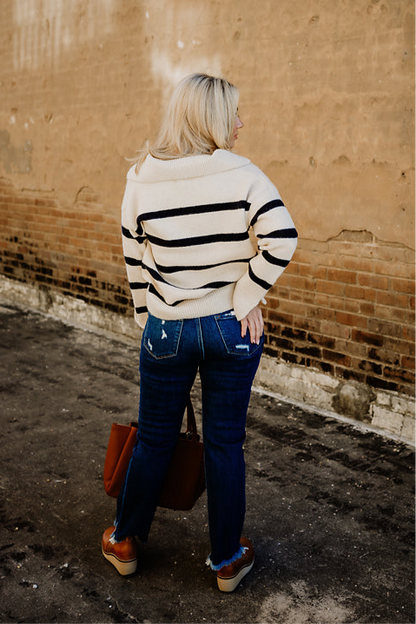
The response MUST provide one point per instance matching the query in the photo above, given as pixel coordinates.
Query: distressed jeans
(172, 353)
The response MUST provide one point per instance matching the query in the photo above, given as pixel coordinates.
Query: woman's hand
(255, 325)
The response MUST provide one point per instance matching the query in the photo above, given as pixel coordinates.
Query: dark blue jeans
(172, 353)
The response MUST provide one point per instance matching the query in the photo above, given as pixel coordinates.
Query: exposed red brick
(396, 315)
(320, 365)
(384, 328)
(370, 367)
(399, 375)
(353, 320)
(350, 374)
(280, 318)
(367, 309)
(351, 306)
(395, 269)
(358, 264)
(401, 346)
(323, 341)
(335, 329)
(331, 288)
(373, 281)
(341, 276)
(408, 333)
(322, 313)
(382, 383)
(402, 285)
(358, 292)
(392, 299)
(318, 272)
(339, 358)
(384, 356)
(352, 348)
(309, 324)
(367, 337)
(407, 362)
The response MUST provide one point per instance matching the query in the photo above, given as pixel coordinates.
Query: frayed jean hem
(240, 552)
(118, 540)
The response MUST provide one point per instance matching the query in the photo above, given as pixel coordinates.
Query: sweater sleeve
(276, 243)
(134, 245)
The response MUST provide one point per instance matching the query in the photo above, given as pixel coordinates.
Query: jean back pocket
(230, 331)
(161, 338)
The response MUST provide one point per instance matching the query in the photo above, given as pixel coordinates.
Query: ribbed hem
(226, 562)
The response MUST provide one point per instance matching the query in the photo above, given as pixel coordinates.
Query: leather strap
(191, 430)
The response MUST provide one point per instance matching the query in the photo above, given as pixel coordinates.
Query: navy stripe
(153, 291)
(157, 294)
(156, 276)
(286, 233)
(194, 210)
(213, 285)
(202, 267)
(132, 261)
(199, 240)
(138, 285)
(127, 234)
(258, 280)
(272, 260)
(276, 203)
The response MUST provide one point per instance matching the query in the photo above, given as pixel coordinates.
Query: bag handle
(191, 430)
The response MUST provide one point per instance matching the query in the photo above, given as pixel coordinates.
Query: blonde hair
(200, 119)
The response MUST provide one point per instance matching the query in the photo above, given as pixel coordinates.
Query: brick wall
(345, 307)
(76, 252)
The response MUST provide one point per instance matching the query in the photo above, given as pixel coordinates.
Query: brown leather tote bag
(185, 479)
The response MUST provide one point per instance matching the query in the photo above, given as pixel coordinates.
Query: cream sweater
(186, 236)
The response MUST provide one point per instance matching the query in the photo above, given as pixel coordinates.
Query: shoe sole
(123, 567)
(230, 584)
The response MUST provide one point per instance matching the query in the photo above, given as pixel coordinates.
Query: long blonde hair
(199, 119)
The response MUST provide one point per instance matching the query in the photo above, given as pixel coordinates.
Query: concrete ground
(330, 505)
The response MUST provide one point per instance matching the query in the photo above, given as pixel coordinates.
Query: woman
(196, 278)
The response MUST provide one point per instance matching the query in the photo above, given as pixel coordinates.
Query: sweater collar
(156, 170)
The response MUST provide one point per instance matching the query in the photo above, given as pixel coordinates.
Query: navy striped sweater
(202, 235)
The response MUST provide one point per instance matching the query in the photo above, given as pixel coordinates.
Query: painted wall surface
(327, 99)
(326, 96)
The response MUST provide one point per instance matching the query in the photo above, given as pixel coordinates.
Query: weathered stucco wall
(326, 95)
(328, 105)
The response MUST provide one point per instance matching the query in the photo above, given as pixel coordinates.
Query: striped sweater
(202, 235)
